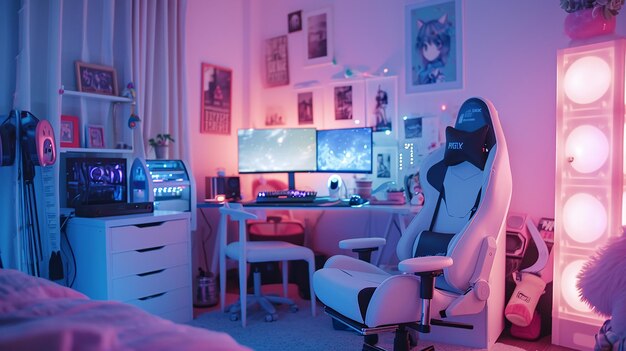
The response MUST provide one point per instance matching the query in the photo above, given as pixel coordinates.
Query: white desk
(398, 213)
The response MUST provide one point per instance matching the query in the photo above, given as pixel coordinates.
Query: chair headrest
(472, 136)
(474, 114)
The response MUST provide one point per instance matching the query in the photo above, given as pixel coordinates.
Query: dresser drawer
(152, 283)
(141, 236)
(164, 302)
(148, 260)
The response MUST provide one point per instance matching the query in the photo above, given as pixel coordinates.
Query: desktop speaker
(227, 186)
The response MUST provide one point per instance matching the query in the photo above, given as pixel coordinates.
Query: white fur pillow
(602, 283)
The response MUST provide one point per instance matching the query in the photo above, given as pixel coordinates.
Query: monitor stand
(291, 183)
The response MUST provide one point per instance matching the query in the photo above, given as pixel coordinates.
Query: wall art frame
(69, 135)
(442, 67)
(96, 79)
(319, 36)
(94, 136)
(276, 61)
(346, 107)
(385, 165)
(216, 95)
(381, 106)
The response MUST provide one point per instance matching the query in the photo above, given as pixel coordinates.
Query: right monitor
(346, 150)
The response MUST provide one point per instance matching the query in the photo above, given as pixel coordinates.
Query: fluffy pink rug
(602, 283)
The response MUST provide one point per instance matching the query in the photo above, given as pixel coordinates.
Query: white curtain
(159, 73)
(34, 88)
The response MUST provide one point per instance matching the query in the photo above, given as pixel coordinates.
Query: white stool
(246, 252)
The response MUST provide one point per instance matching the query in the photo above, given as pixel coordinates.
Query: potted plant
(160, 144)
(589, 18)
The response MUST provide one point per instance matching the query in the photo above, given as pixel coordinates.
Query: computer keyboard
(286, 196)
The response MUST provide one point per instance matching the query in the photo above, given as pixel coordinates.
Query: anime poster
(434, 46)
(216, 99)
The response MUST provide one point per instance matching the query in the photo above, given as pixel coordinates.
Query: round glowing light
(444, 107)
(587, 79)
(587, 148)
(356, 121)
(405, 118)
(584, 218)
(568, 286)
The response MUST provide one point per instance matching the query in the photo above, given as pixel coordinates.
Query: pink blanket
(36, 314)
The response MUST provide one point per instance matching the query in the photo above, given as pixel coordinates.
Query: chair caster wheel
(293, 308)
(234, 317)
(270, 317)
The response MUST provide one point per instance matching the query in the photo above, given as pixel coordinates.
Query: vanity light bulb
(584, 218)
(568, 286)
(587, 79)
(588, 148)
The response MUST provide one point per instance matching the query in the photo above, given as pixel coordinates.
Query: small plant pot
(160, 151)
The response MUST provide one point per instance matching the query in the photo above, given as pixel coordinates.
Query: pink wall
(216, 34)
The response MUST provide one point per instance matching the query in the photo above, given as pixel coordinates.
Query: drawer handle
(150, 273)
(152, 224)
(151, 249)
(151, 296)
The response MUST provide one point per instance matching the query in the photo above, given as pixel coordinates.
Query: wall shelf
(94, 150)
(110, 98)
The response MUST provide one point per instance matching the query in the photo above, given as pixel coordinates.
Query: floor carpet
(299, 331)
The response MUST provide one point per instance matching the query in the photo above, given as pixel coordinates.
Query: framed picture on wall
(385, 165)
(318, 27)
(434, 45)
(69, 131)
(294, 21)
(305, 107)
(276, 61)
(216, 99)
(381, 96)
(97, 79)
(346, 100)
(94, 135)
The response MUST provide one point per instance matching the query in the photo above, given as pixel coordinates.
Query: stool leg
(285, 277)
(311, 261)
(243, 291)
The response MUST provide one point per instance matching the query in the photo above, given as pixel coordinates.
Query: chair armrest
(363, 246)
(425, 264)
(362, 243)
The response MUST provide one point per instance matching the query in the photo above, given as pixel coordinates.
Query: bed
(37, 314)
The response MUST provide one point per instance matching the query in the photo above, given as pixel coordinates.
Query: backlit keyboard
(286, 196)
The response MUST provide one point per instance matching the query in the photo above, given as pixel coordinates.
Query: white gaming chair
(452, 256)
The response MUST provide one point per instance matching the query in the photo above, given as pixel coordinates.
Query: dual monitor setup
(294, 150)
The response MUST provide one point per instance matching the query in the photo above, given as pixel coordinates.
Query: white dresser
(143, 260)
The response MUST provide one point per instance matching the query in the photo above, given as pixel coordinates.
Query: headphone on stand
(36, 139)
(32, 141)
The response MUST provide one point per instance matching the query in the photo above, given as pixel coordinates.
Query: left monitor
(281, 150)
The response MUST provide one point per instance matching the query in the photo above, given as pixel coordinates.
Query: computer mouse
(356, 200)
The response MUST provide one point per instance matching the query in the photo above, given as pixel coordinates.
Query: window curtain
(32, 60)
(159, 73)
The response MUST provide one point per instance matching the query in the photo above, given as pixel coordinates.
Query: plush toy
(602, 285)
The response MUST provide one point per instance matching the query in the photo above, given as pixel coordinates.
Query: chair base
(265, 301)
